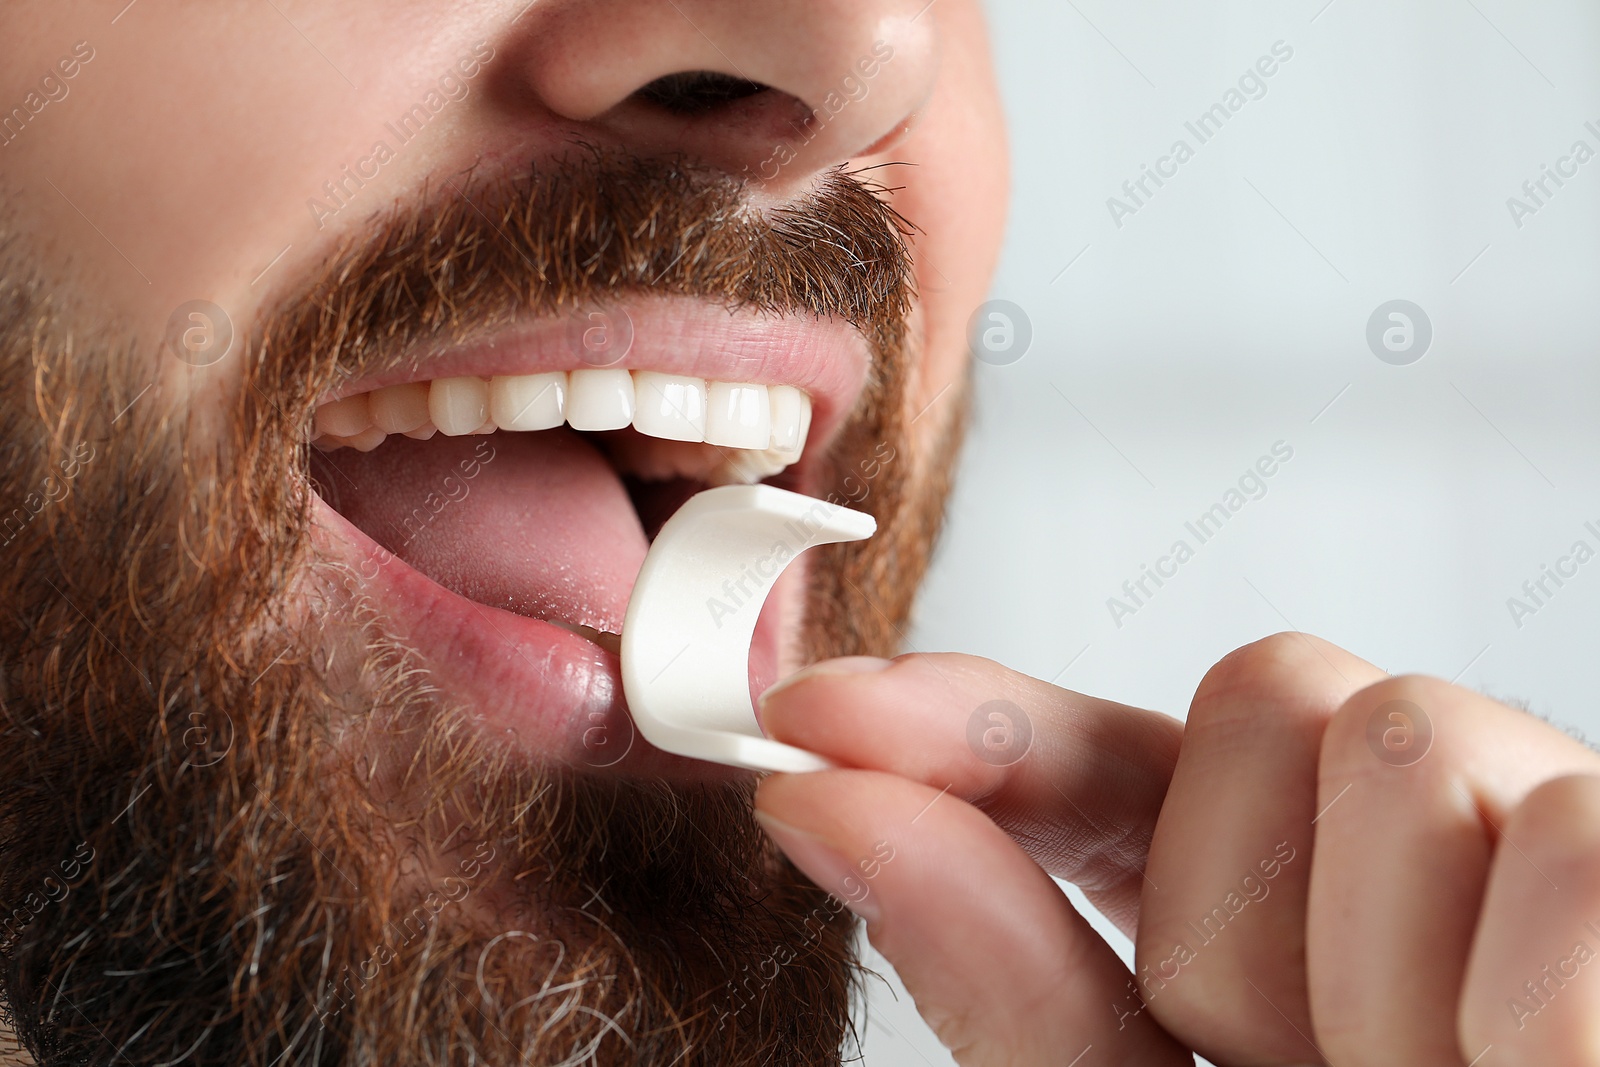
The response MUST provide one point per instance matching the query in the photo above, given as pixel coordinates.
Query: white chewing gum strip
(686, 641)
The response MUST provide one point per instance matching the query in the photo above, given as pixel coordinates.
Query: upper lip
(827, 359)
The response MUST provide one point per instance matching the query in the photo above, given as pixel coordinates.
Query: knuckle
(1558, 826)
(1204, 1010)
(1393, 723)
(1261, 676)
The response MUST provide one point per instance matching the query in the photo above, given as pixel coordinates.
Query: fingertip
(822, 861)
(774, 790)
(816, 802)
(809, 709)
(786, 689)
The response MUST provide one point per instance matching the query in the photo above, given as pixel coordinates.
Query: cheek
(957, 193)
(196, 192)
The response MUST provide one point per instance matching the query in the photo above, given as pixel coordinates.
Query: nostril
(696, 92)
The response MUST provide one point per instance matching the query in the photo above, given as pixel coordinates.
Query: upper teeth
(766, 423)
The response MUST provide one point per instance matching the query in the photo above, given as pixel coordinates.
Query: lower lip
(541, 688)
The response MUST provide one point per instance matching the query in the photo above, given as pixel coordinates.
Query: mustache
(477, 253)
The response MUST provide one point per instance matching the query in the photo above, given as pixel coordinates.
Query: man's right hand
(1311, 868)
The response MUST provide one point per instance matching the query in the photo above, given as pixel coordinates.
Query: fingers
(999, 963)
(1221, 945)
(1078, 781)
(1348, 943)
(1417, 781)
(1532, 992)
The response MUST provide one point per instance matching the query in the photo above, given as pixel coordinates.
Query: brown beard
(235, 831)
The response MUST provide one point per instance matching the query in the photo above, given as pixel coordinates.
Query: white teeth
(723, 431)
(367, 439)
(805, 425)
(458, 406)
(344, 418)
(739, 416)
(669, 406)
(528, 401)
(599, 399)
(791, 421)
(400, 408)
(787, 403)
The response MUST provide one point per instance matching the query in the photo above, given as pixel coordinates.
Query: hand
(1326, 864)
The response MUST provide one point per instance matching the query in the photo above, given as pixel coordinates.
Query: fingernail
(822, 863)
(842, 666)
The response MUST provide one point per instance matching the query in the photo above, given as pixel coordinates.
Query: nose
(773, 90)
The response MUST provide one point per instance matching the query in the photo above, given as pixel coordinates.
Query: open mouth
(498, 499)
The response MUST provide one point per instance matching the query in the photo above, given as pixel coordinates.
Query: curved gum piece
(685, 654)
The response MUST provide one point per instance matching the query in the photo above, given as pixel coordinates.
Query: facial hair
(239, 826)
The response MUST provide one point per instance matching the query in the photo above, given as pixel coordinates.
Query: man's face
(347, 357)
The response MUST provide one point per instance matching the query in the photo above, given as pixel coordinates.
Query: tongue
(536, 523)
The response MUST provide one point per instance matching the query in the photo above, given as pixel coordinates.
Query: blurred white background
(1230, 312)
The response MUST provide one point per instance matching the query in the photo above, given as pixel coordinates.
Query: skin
(1387, 903)
(1399, 927)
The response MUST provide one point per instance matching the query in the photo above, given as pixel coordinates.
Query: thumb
(1001, 966)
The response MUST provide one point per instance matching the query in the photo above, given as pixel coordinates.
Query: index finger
(1077, 781)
